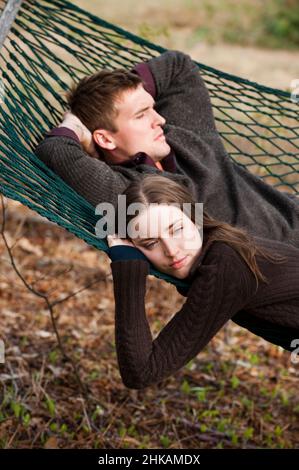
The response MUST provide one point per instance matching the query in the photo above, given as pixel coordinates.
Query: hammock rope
(52, 44)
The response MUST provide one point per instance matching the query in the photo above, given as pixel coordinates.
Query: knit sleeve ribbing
(220, 290)
(91, 178)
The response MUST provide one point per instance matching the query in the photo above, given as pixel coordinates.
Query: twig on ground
(50, 305)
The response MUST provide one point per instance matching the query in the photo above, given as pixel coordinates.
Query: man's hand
(84, 135)
(113, 240)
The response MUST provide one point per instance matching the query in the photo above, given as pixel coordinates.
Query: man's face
(139, 127)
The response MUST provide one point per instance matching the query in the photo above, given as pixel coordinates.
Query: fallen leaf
(27, 246)
(51, 443)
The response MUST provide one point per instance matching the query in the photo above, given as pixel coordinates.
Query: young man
(159, 118)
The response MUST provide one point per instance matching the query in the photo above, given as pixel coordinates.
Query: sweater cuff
(146, 75)
(123, 253)
(63, 132)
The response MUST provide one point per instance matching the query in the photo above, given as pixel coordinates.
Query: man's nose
(158, 120)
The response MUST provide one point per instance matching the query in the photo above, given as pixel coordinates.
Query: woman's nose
(170, 249)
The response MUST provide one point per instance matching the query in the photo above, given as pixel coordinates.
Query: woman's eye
(150, 245)
(178, 228)
(140, 116)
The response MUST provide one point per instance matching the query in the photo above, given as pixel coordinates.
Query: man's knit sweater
(222, 286)
(229, 192)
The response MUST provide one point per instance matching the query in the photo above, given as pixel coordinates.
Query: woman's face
(168, 238)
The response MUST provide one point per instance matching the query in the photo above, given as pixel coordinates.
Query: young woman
(228, 271)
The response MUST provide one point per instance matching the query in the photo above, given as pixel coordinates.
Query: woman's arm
(222, 287)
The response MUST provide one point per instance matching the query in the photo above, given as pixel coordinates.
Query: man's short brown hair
(93, 99)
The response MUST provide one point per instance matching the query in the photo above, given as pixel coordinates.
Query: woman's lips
(178, 264)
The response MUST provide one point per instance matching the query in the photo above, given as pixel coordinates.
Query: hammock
(53, 43)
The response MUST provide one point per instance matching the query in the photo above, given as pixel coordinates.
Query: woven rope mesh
(52, 44)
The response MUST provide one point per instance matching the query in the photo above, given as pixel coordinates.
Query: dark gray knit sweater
(222, 286)
(229, 192)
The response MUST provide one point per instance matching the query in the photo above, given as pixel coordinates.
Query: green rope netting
(53, 44)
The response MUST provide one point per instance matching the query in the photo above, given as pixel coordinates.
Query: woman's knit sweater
(222, 285)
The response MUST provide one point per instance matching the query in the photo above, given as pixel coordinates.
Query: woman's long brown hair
(158, 189)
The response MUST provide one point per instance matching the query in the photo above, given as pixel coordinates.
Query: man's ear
(104, 139)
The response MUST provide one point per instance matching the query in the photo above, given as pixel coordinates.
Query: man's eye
(140, 116)
(178, 228)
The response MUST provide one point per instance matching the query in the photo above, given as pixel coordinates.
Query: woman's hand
(113, 240)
